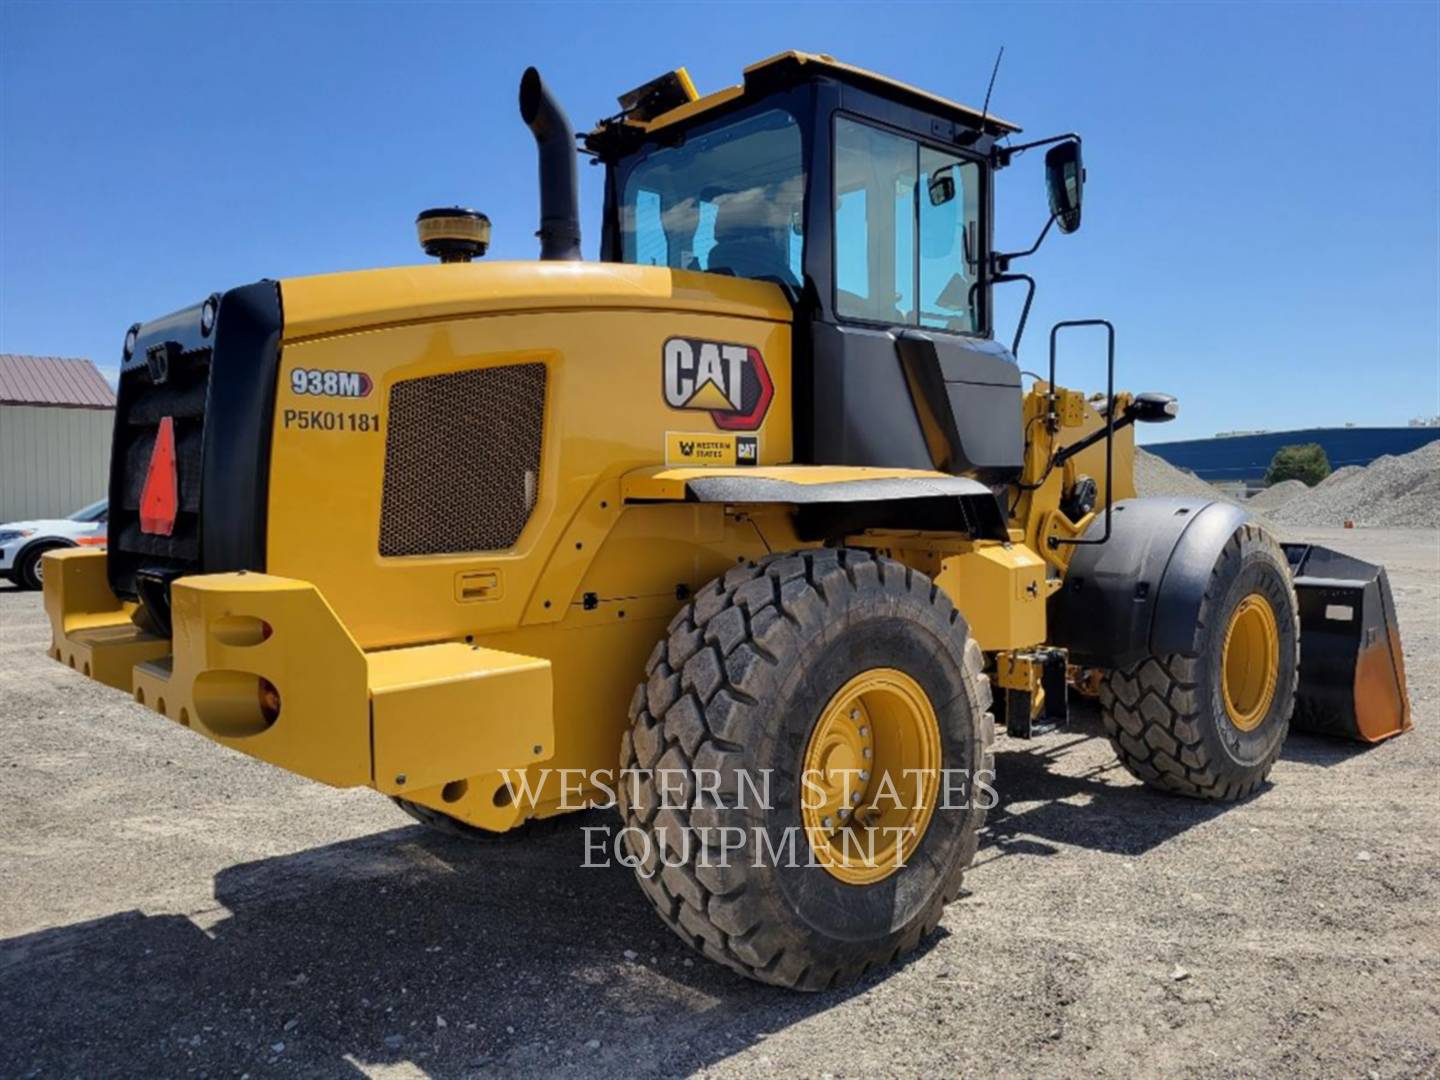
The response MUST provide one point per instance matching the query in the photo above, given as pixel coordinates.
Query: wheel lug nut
(855, 797)
(864, 732)
(826, 822)
(855, 715)
(864, 775)
(844, 812)
(866, 751)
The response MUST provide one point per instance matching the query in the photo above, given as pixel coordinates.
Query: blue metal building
(1244, 458)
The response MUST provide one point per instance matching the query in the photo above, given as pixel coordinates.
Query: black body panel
(1139, 594)
(218, 387)
(905, 398)
(861, 411)
(238, 419)
(967, 400)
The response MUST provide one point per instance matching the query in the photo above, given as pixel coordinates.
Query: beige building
(56, 417)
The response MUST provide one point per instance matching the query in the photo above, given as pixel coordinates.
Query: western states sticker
(710, 448)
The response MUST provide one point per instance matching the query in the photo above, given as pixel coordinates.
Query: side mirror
(1153, 408)
(1064, 183)
(942, 186)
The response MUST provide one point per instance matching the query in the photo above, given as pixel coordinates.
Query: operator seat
(745, 244)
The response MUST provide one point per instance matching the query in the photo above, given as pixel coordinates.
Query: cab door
(904, 374)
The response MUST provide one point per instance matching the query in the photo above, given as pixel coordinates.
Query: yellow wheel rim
(1250, 662)
(871, 774)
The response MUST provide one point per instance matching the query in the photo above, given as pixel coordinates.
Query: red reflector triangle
(160, 498)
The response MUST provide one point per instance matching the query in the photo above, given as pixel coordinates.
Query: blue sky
(1262, 217)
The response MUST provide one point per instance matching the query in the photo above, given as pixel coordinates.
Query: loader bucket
(1352, 670)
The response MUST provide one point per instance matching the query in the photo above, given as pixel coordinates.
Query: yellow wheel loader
(749, 528)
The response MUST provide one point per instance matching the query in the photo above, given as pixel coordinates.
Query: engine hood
(339, 303)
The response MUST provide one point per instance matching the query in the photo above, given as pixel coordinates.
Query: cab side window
(907, 236)
(874, 224)
(949, 241)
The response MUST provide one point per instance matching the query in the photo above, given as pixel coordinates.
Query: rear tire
(748, 673)
(28, 572)
(1170, 718)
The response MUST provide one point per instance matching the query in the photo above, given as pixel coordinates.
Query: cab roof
(789, 68)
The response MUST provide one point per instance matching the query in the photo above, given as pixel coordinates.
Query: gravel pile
(1276, 496)
(1155, 476)
(1399, 492)
(1340, 474)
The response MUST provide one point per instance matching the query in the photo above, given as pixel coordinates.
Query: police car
(23, 542)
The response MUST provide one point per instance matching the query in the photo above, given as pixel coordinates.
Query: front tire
(756, 682)
(1211, 724)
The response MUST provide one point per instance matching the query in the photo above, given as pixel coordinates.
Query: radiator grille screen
(462, 460)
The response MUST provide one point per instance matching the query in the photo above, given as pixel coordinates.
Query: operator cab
(870, 203)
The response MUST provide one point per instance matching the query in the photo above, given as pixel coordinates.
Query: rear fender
(834, 501)
(1140, 593)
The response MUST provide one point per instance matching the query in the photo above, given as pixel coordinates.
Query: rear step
(1352, 670)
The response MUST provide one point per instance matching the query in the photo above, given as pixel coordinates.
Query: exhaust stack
(559, 186)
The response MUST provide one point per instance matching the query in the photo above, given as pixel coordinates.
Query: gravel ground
(168, 908)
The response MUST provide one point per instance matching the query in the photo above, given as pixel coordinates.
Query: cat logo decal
(730, 382)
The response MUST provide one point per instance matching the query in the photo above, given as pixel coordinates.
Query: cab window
(728, 200)
(907, 231)
(874, 224)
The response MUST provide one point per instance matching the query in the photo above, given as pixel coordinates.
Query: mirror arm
(1001, 155)
(1003, 259)
(1064, 454)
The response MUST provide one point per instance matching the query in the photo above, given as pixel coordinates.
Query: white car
(23, 542)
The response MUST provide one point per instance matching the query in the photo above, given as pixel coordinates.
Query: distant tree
(1306, 462)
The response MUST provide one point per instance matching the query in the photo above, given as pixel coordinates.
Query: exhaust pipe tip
(531, 89)
(559, 183)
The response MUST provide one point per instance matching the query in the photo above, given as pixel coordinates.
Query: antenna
(985, 110)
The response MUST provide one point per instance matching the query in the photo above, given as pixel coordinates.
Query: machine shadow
(1042, 805)
(403, 947)
(456, 958)
(1305, 749)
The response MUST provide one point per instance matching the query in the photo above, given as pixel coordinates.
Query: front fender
(1140, 593)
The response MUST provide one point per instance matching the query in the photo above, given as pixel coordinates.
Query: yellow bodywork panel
(91, 629)
(231, 631)
(433, 714)
(374, 299)
(825, 64)
(600, 330)
(597, 650)
(446, 712)
(1036, 504)
(452, 669)
(999, 587)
